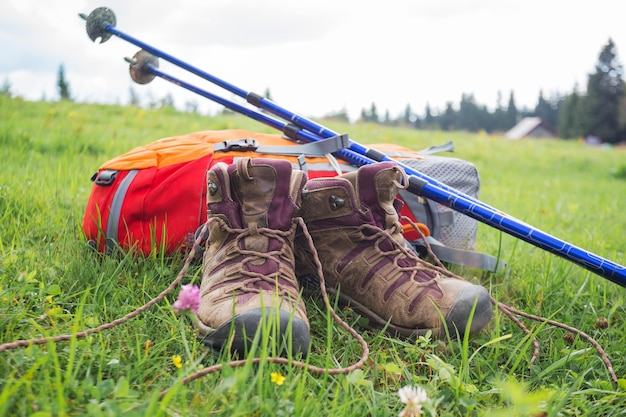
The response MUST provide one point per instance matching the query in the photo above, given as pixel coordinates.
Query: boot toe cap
(461, 311)
(240, 332)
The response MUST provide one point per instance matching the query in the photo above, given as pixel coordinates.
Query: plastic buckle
(106, 177)
(238, 145)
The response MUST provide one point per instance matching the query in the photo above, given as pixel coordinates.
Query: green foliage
(605, 88)
(570, 119)
(547, 110)
(51, 284)
(63, 85)
(5, 90)
(620, 172)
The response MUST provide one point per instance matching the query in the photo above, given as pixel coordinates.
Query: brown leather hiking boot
(248, 279)
(353, 220)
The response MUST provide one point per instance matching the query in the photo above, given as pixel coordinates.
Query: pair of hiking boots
(259, 254)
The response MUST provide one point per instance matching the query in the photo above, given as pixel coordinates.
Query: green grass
(52, 284)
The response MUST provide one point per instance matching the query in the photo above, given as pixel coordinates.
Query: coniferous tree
(191, 106)
(63, 85)
(570, 116)
(621, 117)
(408, 117)
(547, 110)
(499, 121)
(605, 89)
(387, 119)
(133, 98)
(6, 88)
(167, 101)
(339, 115)
(468, 117)
(448, 120)
(373, 116)
(511, 112)
(485, 121)
(429, 119)
(416, 122)
(364, 116)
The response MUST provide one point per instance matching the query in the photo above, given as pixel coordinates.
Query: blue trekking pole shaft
(419, 184)
(300, 121)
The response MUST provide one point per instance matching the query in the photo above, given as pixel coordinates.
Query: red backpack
(154, 196)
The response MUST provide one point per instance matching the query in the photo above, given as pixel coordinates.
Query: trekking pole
(100, 24)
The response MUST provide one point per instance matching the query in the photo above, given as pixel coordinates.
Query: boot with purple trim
(248, 279)
(353, 220)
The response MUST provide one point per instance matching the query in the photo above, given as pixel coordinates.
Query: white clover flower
(413, 397)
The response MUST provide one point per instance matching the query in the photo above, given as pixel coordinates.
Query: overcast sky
(318, 56)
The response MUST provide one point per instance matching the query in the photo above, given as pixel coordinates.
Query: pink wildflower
(188, 299)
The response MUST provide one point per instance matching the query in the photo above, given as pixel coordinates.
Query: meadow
(52, 283)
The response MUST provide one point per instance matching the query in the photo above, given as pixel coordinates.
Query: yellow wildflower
(277, 378)
(147, 345)
(178, 361)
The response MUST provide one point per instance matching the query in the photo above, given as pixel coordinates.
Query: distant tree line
(600, 111)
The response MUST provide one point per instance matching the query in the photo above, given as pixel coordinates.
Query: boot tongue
(262, 187)
(378, 185)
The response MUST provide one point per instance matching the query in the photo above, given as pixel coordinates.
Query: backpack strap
(462, 257)
(426, 210)
(444, 147)
(399, 153)
(324, 147)
(116, 209)
(318, 148)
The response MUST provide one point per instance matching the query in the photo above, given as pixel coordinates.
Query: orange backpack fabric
(154, 196)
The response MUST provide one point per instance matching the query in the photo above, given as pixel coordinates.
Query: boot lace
(404, 260)
(282, 280)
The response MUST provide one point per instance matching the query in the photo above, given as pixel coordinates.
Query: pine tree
(429, 119)
(605, 88)
(499, 121)
(341, 115)
(374, 114)
(387, 119)
(364, 116)
(408, 118)
(468, 117)
(548, 109)
(63, 85)
(511, 112)
(448, 120)
(570, 114)
(133, 98)
(5, 90)
(167, 101)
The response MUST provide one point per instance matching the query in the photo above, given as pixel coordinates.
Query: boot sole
(456, 319)
(239, 333)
